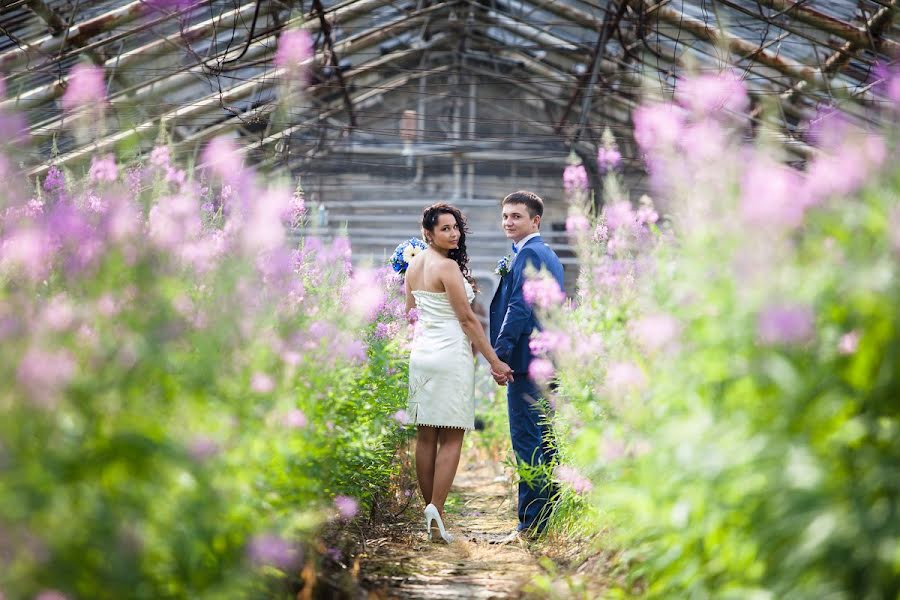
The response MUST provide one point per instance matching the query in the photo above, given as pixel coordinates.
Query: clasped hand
(502, 373)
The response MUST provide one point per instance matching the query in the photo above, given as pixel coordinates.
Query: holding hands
(501, 372)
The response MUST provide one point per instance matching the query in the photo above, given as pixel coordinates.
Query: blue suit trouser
(531, 440)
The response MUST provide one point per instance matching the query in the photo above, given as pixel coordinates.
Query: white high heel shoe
(432, 514)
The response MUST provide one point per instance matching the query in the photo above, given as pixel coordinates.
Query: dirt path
(481, 508)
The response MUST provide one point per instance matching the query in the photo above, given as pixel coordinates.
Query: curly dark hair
(430, 218)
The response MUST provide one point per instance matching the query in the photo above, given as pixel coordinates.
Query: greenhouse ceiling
(204, 69)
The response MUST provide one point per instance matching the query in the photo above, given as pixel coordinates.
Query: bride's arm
(456, 292)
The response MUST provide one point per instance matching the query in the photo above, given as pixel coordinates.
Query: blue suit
(512, 322)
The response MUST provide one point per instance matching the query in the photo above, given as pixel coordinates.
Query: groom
(512, 322)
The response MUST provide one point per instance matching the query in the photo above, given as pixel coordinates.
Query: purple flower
(261, 383)
(354, 351)
(655, 332)
(85, 87)
(619, 214)
(160, 158)
(646, 215)
(55, 181)
(103, 168)
(785, 324)
(544, 343)
(658, 126)
(401, 417)
(771, 195)
(295, 419)
(346, 506)
(26, 250)
(221, 155)
(710, 94)
(575, 179)
(624, 376)
(366, 294)
(295, 47)
(577, 223)
(608, 158)
(44, 374)
(601, 233)
(297, 208)
(543, 292)
(202, 448)
(541, 370)
(382, 331)
(273, 551)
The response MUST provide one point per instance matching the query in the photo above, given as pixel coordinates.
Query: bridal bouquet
(404, 253)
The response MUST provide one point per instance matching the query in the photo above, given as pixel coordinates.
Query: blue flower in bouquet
(405, 253)
(502, 266)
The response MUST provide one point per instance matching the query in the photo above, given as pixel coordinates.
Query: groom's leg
(525, 428)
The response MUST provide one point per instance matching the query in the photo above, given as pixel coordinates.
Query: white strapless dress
(441, 365)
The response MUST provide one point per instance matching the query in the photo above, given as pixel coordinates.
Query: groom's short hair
(532, 202)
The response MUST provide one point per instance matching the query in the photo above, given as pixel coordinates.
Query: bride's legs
(446, 463)
(426, 452)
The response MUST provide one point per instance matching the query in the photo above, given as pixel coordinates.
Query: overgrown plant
(729, 374)
(187, 398)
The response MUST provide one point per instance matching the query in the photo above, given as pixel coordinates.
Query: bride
(441, 364)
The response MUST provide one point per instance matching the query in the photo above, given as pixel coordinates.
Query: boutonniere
(502, 266)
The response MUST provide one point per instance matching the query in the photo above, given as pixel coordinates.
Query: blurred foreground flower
(273, 551)
(347, 507)
(571, 476)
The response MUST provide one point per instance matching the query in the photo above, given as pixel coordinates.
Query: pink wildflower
(577, 223)
(608, 158)
(710, 94)
(569, 475)
(160, 158)
(44, 374)
(544, 343)
(221, 155)
(624, 376)
(366, 294)
(575, 179)
(202, 448)
(295, 47)
(658, 126)
(849, 342)
(26, 250)
(619, 214)
(541, 370)
(273, 551)
(295, 419)
(103, 168)
(785, 324)
(347, 507)
(771, 195)
(85, 87)
(543, 292)
(262, 383)
(601, 233)
(401, 417)
(655, 332)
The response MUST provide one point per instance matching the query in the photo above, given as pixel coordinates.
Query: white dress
(441, 365)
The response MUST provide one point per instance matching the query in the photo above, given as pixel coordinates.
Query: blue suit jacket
(512, 319)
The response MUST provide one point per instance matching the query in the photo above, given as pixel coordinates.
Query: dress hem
(444, 426)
